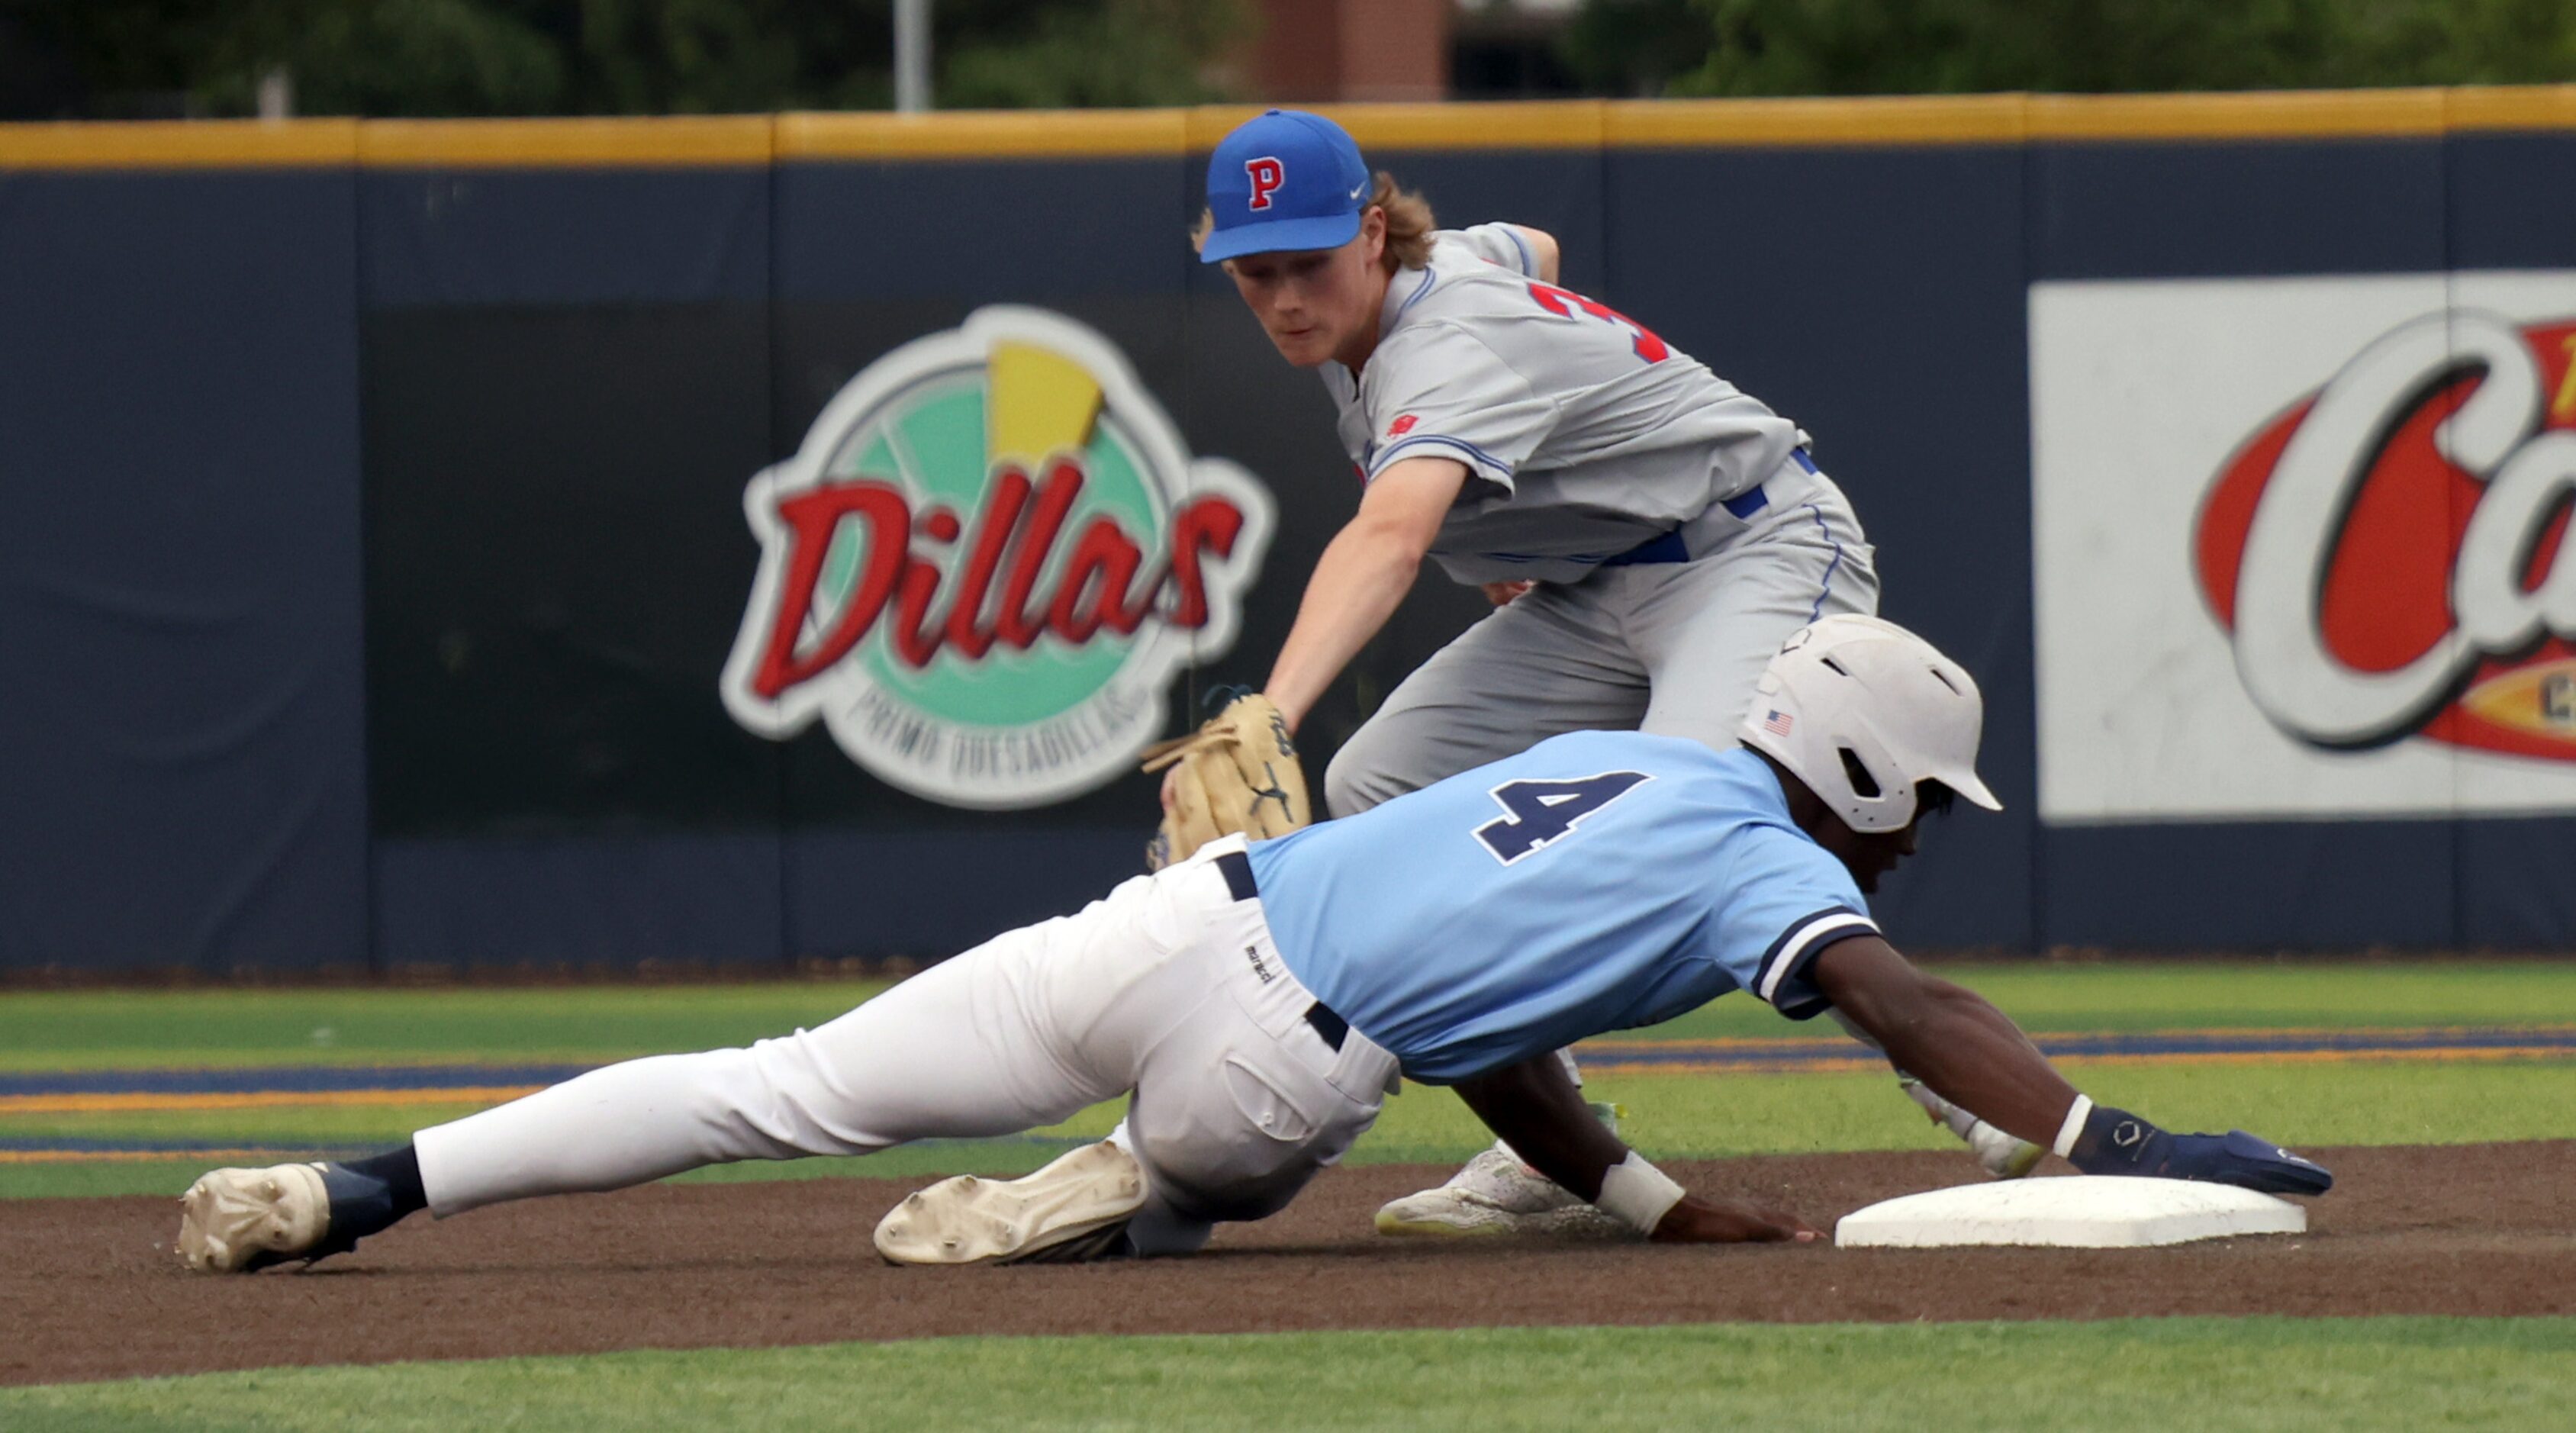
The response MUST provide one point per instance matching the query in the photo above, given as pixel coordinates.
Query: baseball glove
(1237, 773)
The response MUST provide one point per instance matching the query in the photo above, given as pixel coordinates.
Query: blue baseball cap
(1284, 180)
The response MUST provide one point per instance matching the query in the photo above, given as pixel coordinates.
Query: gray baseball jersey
(1584, 433)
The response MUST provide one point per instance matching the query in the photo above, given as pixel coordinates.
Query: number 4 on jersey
(1542, 812)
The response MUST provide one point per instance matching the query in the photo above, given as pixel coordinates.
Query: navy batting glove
(2118, 1142)
(2246, 1161)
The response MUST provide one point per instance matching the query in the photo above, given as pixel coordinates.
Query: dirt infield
(93, 1291)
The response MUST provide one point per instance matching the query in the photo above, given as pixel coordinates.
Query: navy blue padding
(183, 779)
(563, 236)
(2516, 890)
(930, 894)
(1559, 191)
(2511, 204)
(557, 565)
(2170, 210)
(996, 231)
(602, 900)
(2250, 885)
(1876, 297)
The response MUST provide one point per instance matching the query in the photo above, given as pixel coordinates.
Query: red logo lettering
(2384, 555)
(1401, 426)
(990, 592)
(1266, 174)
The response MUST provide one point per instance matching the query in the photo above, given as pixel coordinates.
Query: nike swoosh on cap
(1355, 193)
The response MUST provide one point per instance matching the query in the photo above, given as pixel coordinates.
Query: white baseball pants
(1169, 988)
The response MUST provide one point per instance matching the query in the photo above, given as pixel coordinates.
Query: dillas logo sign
(2387, 553)
(986, 561)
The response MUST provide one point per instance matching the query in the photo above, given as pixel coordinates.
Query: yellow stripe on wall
(181, 144)
(753, 140)
(676, 141)
(985, 134)
(2493, 107)
(2317, 114)
(1890, 120)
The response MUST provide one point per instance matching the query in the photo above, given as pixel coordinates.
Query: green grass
(131, 1029)
(2224, 995)
(2275, 1375)
(1672, 1116)
(88, 1030)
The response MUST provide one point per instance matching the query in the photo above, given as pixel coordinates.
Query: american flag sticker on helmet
(1778, 723)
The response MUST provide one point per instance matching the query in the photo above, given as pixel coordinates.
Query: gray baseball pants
(1669, 648)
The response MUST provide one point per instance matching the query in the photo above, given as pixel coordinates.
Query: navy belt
(1239, 884)
(1238, 875)
(1669, 547)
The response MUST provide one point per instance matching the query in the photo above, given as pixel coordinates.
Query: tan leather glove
(1238, 773)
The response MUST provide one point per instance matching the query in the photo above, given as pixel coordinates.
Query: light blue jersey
(1598, 881)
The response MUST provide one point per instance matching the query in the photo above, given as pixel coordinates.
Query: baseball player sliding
(1648, 532)
(1259, 1001)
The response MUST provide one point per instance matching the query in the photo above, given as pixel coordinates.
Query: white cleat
(2005, 1156)
(1074, 1209)
(235, 1220)
(1496, 1194)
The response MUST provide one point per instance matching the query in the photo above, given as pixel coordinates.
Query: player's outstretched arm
(1975, 1057)
(1540, 1113)
(1365, 571)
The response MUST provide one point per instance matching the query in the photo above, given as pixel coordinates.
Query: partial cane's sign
(986, 562)
(2299, 546)
(2385, 552)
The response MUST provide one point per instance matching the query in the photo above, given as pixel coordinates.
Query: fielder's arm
(1543, 247)
(1364, 572)
(1539, 1112)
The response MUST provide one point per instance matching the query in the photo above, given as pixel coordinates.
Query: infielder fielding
(1259, 1002)
(1648, 532)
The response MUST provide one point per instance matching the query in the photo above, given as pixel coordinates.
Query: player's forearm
(1948, 1037)
(1974, 1056)
(1541, 1114)
(1361, 578)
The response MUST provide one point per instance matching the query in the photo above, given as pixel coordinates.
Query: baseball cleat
(1496, 1194)
(1074, 1209)
(232, 1221)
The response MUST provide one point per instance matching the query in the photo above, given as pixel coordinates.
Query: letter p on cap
(1266, 174)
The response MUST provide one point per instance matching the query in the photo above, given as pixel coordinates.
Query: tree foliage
(535, 57)
(1816, 47)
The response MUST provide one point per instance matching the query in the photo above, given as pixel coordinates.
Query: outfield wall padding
(371, 496)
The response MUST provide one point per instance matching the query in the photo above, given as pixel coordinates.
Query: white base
(2087, 1212)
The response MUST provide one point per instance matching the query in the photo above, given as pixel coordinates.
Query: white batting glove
(2003, 1155)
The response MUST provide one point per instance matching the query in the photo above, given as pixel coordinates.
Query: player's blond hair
(1408, 225)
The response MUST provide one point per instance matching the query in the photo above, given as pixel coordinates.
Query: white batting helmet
(1864, 711)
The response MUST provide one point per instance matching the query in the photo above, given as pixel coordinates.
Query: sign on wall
(986, 562)
(2297, 546)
